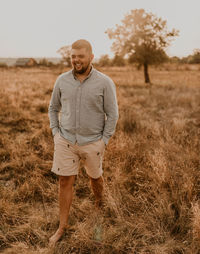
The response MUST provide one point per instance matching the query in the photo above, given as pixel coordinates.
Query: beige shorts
(67, 157)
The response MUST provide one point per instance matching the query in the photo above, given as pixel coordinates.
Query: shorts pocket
(56, 136)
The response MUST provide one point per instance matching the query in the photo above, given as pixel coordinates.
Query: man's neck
(83, 76)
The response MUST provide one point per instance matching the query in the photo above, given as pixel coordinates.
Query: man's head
(81, 56)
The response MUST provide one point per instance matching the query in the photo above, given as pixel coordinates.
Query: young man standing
(87, 103)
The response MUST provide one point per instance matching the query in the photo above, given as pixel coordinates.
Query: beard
(82, 70)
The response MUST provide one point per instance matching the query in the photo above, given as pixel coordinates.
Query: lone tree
(65, 52)
(142, 37)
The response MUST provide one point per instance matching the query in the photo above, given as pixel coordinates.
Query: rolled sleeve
(111, 110)
(54, 108)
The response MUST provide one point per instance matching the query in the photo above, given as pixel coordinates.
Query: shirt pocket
(93, 97)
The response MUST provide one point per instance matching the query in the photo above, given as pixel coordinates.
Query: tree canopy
(65, 52)
(142, 37)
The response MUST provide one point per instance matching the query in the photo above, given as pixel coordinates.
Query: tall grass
(151, 168)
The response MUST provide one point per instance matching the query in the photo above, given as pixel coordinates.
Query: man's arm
(111, 110)
(54, 108)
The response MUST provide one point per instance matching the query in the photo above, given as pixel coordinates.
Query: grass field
(151, 168)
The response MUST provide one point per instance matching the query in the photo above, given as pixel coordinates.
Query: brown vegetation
(151, 168)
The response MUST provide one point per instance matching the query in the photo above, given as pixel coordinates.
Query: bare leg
(65, 200)
(97, 187)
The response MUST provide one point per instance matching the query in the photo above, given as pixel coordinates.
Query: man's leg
(65, 200)
(97, 187)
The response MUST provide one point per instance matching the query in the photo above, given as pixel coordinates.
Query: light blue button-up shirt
(84, 112)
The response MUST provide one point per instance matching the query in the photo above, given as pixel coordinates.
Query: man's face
(81, 60)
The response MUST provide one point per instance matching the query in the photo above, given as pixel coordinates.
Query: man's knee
(97, 183)
(66, 181)
(97, 180)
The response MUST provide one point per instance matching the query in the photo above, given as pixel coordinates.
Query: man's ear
(91, 57)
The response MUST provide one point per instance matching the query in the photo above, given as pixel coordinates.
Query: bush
(3, 65)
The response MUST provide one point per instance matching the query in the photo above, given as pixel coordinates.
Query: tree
(174, 59)
(195, 58)
(142, 37)
(104, 60)
(118, 61)
(44, 62)
(192, 59)
(65, 52)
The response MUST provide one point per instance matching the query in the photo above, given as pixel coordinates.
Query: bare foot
(53, 240)
(100, 204)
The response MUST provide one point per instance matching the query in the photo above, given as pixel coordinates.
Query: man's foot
(54, 238)
(100, 204)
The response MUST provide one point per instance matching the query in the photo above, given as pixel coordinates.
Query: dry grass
(151, 168)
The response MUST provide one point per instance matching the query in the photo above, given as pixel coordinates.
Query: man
(87, 103)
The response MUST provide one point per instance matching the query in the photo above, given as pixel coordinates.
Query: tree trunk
(146, 74)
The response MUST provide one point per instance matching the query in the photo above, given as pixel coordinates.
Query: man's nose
(76, 58)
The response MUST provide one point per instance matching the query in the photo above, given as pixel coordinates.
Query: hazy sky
(39, 28)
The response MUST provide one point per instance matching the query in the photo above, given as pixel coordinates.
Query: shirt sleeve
(54, 108)
(111, 110)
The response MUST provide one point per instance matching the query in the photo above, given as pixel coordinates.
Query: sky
(38, 28)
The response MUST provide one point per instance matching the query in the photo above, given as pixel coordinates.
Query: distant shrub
(45, 62)
(104, 60)
(3, 65)
(195, 58)
(118, 61)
